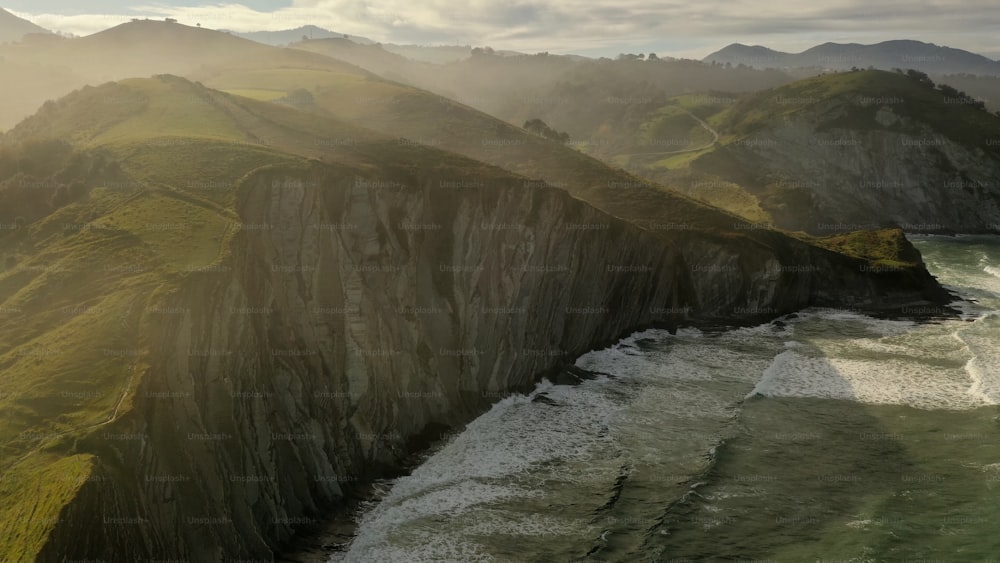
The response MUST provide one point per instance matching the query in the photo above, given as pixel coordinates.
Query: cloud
(592, 25)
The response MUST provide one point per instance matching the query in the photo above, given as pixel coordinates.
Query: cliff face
(350, 315)
(881, 168)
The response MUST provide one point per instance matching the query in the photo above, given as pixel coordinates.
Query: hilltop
(135, 49)
(305, 32)
(13, 28)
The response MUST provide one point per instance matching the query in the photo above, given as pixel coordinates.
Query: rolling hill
(143, 48)
(289, 36)
(569, 94)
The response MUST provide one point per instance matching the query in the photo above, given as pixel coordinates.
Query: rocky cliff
(350, 315)
(898, 171)
(856, 150)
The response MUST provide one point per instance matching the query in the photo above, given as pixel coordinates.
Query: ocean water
(827, 436)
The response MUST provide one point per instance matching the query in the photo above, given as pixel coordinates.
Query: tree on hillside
(920, 77)
(540, 128)
(961, 97)
(948, 90)
(299, 98)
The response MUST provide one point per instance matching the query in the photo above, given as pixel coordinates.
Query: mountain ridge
(14, 28)
(886, 55)
(287, 36)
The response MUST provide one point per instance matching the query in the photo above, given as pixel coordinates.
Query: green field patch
(682, 160)
(257, 93)
(173, 109)
(885, 247)
(34, 497)
(211, 170)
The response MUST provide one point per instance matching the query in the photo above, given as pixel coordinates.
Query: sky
(588, 27)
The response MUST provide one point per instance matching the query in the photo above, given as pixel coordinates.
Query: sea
(824, 436)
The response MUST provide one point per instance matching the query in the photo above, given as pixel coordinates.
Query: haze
(599, 28)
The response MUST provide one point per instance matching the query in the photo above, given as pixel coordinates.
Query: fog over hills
(305, 32)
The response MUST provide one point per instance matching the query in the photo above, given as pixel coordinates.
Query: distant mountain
(374, 58)
(288, 36)
(840, 56)
(13, 28)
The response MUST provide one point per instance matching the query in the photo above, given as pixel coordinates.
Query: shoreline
(338, 528)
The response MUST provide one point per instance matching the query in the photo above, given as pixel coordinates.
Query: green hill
(859, 96)
(860, 149)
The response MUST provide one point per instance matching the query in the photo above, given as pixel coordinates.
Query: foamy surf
(982, 340)
(885, 362)
(646, 420)
(506, 454)
(619, 448)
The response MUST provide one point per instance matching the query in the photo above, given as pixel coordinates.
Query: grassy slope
(961, 123)
(87, 275)
(354, 95)
(346, 91)
(814, 97)
(884, 247)
(833, 101)
(715, 177)
(407, 112)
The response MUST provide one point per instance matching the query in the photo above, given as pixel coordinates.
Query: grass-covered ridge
(881, 248)
(860, 95)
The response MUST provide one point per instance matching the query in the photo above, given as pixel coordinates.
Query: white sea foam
(521, 449)
(982, 339)
(486, 464)
(908, 365)
(662, 409)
